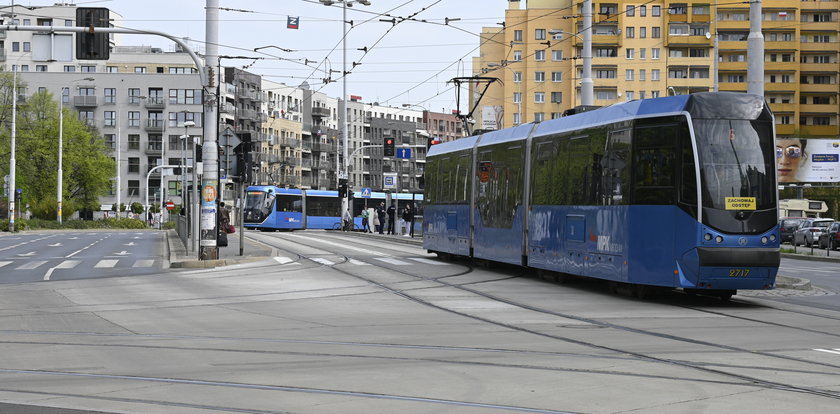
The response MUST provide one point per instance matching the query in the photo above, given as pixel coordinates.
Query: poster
(808, 160)
(492, 117)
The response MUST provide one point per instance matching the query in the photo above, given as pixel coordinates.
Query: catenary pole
(209, 150)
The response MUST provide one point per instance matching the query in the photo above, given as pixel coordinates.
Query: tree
(87, 166)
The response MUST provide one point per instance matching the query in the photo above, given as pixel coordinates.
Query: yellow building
(649, 49)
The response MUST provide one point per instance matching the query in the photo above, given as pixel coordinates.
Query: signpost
(170, 205)
(404, 153)
(366, 192)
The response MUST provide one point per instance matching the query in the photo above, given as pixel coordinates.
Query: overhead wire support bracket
(478, 80)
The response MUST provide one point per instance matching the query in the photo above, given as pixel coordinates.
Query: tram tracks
(692, 365)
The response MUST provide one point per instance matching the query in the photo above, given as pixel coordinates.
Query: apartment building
(649, 49)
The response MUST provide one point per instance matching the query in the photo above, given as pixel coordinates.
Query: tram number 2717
(739, 272)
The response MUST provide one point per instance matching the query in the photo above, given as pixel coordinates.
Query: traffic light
(92, 46)
(342, 187)
(244, 159)
(351, 194)
(388, 147)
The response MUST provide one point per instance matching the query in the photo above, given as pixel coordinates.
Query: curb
(810, 257)
(787, 282)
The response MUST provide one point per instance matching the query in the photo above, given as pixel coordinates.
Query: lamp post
(59, 217)
(345, 123)
(518, 88)
(184, 138)
(12, 191)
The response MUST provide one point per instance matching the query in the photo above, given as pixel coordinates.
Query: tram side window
(500, 184)
(688, 174)
(547, 172)
(462, 178)
(579, 177)
(615, 169)
(289, 203)
(445, 172)
(598, 142)
(654, 164)
(432, 185)
(323, 206)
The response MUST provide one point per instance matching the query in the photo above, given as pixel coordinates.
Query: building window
(40, 68)
(642, 11)
(134, 96)
(539, 76)
(642, 74)
(539, 55)
(654, 53)
(516, 118)
(556, 55)
(133, 141)
(539, 97)
(605, 74)
(642, 53)
(110, 95)
(555, 115)
(630, 32)
(517, 35)
(631, 11)
(185, 96)
(784, 119)
(628, 74)
(539, 34)
(65, 96)
(134, 185)
(110, 118)
(655, 32)
(654, 94)
(134, 119)
(69, 68)
(630, 53)
(557, 97)
(557, 76)
(177, 119)
(27, 46)
(656, 11)
(517, 77)
(629, 95)
(517, 97)
(539, 116)
(139, 69)
(654, 74)
(111, 69)
(88, 68)
(641, 94)
(517, 55)
(642, 32)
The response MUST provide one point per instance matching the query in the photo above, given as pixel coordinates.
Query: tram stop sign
(170, 205)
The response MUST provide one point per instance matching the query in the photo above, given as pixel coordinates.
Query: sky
(407, 63)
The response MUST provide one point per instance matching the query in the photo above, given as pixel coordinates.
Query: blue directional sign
(365, 192)
(404, 153)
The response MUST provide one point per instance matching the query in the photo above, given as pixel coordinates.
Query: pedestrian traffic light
(91, 45)
(342, 187)
(389, 147)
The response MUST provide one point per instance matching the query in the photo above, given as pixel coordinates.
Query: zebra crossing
(72, 264)
(830, 351)
(403, 261)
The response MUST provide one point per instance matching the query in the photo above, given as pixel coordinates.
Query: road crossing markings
(67, 264)
(359, 262)
(392, 261)
(4, 263)
(106, 263)
(428, 261)
(26, 254)
(55, 245)
(31, 265)
(830, 351)
(143, 263)
(322, 261)
(283, 260)
(85, 248)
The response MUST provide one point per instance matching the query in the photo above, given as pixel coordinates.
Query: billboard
(492, 117)
(808, 160)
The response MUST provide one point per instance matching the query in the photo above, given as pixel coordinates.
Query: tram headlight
(772, 237)
(707, 236)
(719, 239)
(764, 240)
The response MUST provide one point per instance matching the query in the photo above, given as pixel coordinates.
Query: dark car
(830, 238)
(787, 226)
(809, 231)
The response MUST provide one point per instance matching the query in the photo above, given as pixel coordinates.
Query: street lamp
(184, 138)
(12, 191)
(61, 146)
(346, 124)
(518, 89)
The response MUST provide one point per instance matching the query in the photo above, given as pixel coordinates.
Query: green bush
(109, 223)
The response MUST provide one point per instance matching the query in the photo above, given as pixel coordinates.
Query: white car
(809, 231)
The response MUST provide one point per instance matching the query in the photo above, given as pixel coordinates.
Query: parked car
(808, 232)
(830, 239)
(787, 226)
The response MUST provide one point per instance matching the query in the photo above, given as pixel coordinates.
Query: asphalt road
(334, 323)
(62, 255)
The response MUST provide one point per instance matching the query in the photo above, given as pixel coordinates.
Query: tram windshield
(258, 205)
(737, 165)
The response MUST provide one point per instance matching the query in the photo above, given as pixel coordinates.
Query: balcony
(819, 67)
(818, 87)
(817, 5)
(821, 109)
(85, 101)
(779, 86)
(818, 130)
(789, 67)
(677, 40)
(320, 112)
(2, 55)
(154, 125)
(247, 114)
(785, 129)
(780, 46)
(155, 102)
(787, 108)
(154, 148)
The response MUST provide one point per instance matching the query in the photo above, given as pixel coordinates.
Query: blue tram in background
(675, 192)
(271, 208)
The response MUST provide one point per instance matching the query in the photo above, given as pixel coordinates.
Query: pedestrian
(406, 220)
(411, 214)
(151, 218)
(224, 218)
(347, 218)
(392, 214)
(375, 219)
(380, 212)
(365, 221)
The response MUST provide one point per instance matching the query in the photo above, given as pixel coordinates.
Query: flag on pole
(292, 22)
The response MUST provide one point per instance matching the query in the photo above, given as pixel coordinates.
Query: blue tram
(675, 192)
(276, 208)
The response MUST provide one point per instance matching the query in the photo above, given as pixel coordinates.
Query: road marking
(26, 254)
(392, 261)
(4, 263)
(144, 263)
(55, 245)
(129, 244)
(106, 263)
(283, 260)
(122, 253)
(830, 351)
(428, 261)
(342, 245)
(31, 265)
(85, 248)
(67, 264)
(322, 261)
(359, 262)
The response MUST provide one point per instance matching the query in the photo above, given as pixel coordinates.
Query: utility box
(91, 45)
